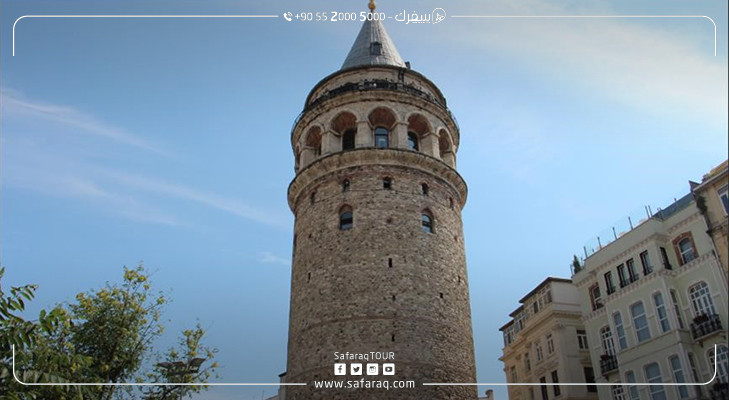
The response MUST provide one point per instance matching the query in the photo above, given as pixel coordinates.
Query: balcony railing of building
(720, 391)
(608, 363)
(628, 281)
(704, 325)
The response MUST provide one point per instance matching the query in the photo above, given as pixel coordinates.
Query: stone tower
(378, 260)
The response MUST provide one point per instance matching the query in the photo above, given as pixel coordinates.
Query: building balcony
(720, 391)
(704, 325)
(608, 363)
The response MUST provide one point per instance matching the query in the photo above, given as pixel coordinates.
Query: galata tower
(379, 269)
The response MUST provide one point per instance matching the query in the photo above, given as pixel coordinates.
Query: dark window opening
(412, 141)
(308, 277)
(664, 256)
(389, 262)
(382, 138)
(646, 262)
(590, 378)
(393, 297)
(450, 201)
(426, 223)
(375, 48)
(348, 140)
(425, 189)
(312, 198)
(387, 183)
(393, 338)
(346, 219)
(345, 185)
(441, 295)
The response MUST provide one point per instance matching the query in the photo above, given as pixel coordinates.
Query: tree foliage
(106, 336)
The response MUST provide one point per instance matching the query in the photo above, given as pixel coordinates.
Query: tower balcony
(608, 363)
(705, 325)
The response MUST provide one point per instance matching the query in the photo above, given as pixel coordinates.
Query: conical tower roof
(373, 46)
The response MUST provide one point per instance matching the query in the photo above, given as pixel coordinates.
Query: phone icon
(287, 16)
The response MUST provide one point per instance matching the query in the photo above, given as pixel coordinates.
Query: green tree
(104, 336)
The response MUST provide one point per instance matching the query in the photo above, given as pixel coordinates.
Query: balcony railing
(720, 391)
(608, 363)
(704, 325)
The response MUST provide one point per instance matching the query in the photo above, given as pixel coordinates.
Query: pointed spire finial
(372, 6)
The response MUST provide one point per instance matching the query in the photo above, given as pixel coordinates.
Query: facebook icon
(340, 369)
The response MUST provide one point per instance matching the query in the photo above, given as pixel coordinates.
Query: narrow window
(308, 277)
(514, 377)
(426, 223)
(348, 140)
(393, 338)
(346, 218)
(723, 193)
(589, 378)
(345, 185)
(686, 248)
(312, 198)
(595, 296)
(450, 202)
(664, 256)
(678, 376)
(424, 188)
(632, 273)
(375, 48)
(721, 359)
(582, 340)
(606, 336)
(661, 312)
(609, 284)
(389, 262)
(545, 393)
(677, 309)
(540, 352)
(622, 341)
(622, 276)
(387, 183)
(412, 141)
(555, 380)
(632, 389)
(653, 375)
(640, 322)
(527, 362)
(617, 392)
(441, 295)
(382, 138)
(646, 262)
(550, 344)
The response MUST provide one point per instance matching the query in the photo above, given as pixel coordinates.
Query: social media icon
(355, 369)
(373, 369)
(388, 369)
(340, 369)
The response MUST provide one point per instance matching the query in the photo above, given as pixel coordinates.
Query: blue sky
(167, 141)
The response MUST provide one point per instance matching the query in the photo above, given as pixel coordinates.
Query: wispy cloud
(15, 106)
(270, 258)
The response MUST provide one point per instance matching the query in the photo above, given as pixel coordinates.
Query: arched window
(701, 299)
(686, 248)
(426, 222)
(346, 218)
(606, 337)
(348, 140)
(382, 138)
(413, 141)
(721, 358)
(345, 185)
(387, 183)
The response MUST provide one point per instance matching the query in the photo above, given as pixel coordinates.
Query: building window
(382, 138)
(582, 340)
(661, 312)
(678, 376)
(617, 392)
(555, 380)
(540, 352)
(686, 249)
(622, 341)
(550, 344)
(721, 358)
(606, 337)
(632, 389)
(527, 362)
(677, 309)
(412, 141)
(424, 188)
(640, 322)
(632, 273)
(653, 375)
(664, 256)
(348, 140)
(646, 262)
(589, 378)
(426, 222)
(595, 297)
(312, 198)
(513, 374)
(545, 394)
(375, 48)
(701, 299)
(346, 218)
(723, 193)
(609, 284)
(387, 183)
(622, 276)
(345, 185)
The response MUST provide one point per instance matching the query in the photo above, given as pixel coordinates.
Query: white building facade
(654, 305)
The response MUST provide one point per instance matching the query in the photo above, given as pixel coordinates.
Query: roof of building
(543, 284)
(373, 46)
